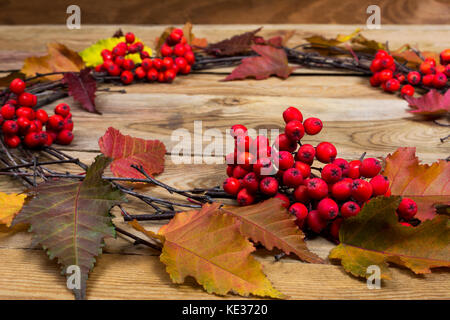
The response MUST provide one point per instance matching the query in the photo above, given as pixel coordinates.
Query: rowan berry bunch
(176, 57)
(257, 171)
(20, 123)
(386, 75)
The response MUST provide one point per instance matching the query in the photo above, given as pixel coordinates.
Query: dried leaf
(82, 87)
(322, 41)
(127, 150)
(59, 58)
(375, 237)
(208, 246)
(195, 43)
(238, 44)
(6, 80)
(272, 61)
(270, 224)
(152, 235)
(71, 219)
(432, 104)
(10, 205)
(427, 185)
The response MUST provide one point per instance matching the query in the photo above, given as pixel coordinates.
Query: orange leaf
(127, 150)
(208, 246)
(426, 185)
(10, 205)
(431, 105)
(271, 225)
(59, 58)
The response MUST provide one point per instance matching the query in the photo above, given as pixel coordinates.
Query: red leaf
(82, 87)
(236, 45)
(432, 104)
(272, 61)
(127, 150)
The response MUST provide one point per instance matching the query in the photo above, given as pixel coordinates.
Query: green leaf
(71, 219)
(92, 55)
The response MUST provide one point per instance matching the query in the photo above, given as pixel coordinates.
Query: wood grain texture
(357, 118)
(225, 11)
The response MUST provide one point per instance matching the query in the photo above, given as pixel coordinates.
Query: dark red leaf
(236, 45)
(82, 87)
(432, 104)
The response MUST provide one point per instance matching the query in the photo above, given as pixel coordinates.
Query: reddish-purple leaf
(433, 104)
(236, 45)
(82, 87)
(272, 61)
(127, 150)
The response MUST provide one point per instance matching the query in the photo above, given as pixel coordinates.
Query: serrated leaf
(270, 224)
(92, 55)
(82, 87)
(272, 61)
(238, 44)
(59, 58)
(10, 205)
(432, 104)
(427, 185)
(375, 237)
(71, 219)
(207, 245)
(127, 150)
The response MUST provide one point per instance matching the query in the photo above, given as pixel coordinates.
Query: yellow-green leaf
(10, 205)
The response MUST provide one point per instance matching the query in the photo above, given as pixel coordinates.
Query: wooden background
(224, 11)
(356, 116)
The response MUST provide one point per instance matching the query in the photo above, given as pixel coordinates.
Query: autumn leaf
(127, 150)
(71, 219)
(191, 39)
(82, 87)
(59, 58)
(238, 44)
(271, 225)
(272, 61)
(6, 80)
(10, 205)
(433, 104)
(326, 42)
(207, 245)
(375, 237)
(427, 185)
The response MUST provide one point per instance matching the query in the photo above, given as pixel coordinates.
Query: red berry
(10, 127)
(32, 140)
(230, 169)
(190, 57)
(129, 37)
(68, 124)
(301, 194)
(407, 90)
(43, 138)
(350, 209)
(246, 160)
(439, 80)
(166, 51)
(239, 172)
(140, 73)
(361, 190)
(294, 130)
(260, 145)
(315, 222)
(56, 123)
(331, 173)
(26, 112)
(175, 37)
(27, 99)
(326, 152)
(407, 209)
(38, 125)
(263, 167)
(128, 64)
(12, 141)
(284, 200)
(341, 190)
(335, 227)
(23, 123)
(251, 182)
(42, 116)
(283, 143)
(292, 113)
(285, 160)
(245, 198)
(385, 75)
(306, 154)
(413, 77)
(427, 80)
(231, 186)
(317, 188)
(375, 65)
(170, 75)
(186, 69)
(299, 210)
(328, 209)
(269, 186)
(167, 63)
(445, 56)
(157, 64)
(126, 77)
(375, 80)
(391, 85)
(304, 168)
(64, 137)
(313, 126)
(113, 70)
(353, 169)
(447, 70)
(238, 130)
(292, 178)
(380, 185)
(180, 62)
(381, 54)
(427, 67)
(343, 164)
(8, 111)
(152, 75)
(147, 64)
(400, 77)
(17, 86)
(62, 109)
(387, 61)
(179, 50)
(139, 46)
(370, 167)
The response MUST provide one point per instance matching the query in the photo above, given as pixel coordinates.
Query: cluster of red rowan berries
(176, 57)
(20, 123)
(257, 171)
(386, 74)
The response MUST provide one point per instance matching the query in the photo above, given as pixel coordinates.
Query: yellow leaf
(10, 205)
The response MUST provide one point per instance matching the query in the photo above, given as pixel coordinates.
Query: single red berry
(170, 75)
(407, 209)
(306, 154)
(407, 90)
(64, 137)
(128, 64)
(113, 70)
(385, 75)
(190, 57)
(239, 172)
(313, 126)
(33, 128)
(269, 186)
(331, 173)
(8, 111)
(263, 167)
(301, 194)
(246, 160)
(335, 227)
(133, 48)
(328, 209)
(152, 75)
(292, 178)
(341, 190)
(174, 37)
(445, 56)
(284, 200)
(343, 164)
(326, 152)
(68, 124)
(56, 123)
(427, 80)
(400, 77)
(231, 186)
(17, 86)
(167, 63)
(315, 222)
(43, 136)
(370, 167)
(381, 54)
(119, 51)
(350, 209)
(304, 168)
(12, 141)
(230, 169)
(180, 62)
(294, 130)
(32, 140)
(62, 109)
(140, 73)
(27, 99)
(387, 61)
(157, 64)
(375, 80)
(391, 85)
(126, 77)
(245, 198)
(361, 190)
(147, 64)
(129, 37)
(166, 50)
(187, 47)
(317, 188)
(380, 185)
(427, 67)
(26, 112)
(283, 143)
(413, 77)
(285, 160)
(10, 127)
(139, 46)
(42, 116)
(353, 169)
(38, 125)
(251, 182)
(179, 50)
(231, 158)
(292, 113)
(186, 69)
(375, 65)
(238, 130)
(439, 80)
(23, 123)
(299, 210)
(260, 143)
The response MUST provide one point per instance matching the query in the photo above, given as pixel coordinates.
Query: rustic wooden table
(357, 118)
